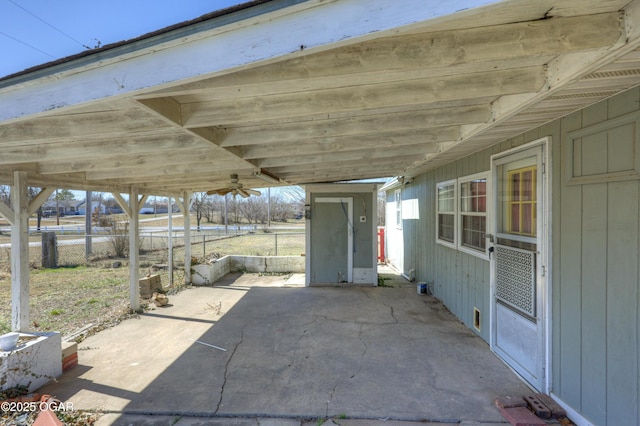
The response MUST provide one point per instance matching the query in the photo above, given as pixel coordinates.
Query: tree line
(279, 205)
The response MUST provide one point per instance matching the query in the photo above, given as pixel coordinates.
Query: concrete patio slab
(254, 347)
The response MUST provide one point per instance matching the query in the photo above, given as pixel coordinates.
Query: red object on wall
(381, 257)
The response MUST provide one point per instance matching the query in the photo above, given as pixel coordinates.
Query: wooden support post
(170, 241)
(186, 203)
(88, 221)
(20, 254)
(134, 258)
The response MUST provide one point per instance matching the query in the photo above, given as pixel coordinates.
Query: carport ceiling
(310, 91)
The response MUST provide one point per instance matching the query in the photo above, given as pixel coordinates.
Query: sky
(34, 32)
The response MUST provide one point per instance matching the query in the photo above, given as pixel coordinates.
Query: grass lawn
(68, 299)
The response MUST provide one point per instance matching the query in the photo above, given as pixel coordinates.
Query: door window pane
(521, 202)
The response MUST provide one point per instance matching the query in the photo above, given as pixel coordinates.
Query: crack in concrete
(364, 352)
(391, 311)
(226, 368)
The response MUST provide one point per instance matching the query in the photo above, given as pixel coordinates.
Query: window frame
(482, 253)
(439, 186)
(398, 199)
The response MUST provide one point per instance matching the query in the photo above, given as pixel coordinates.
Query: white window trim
(481, 254)
(439, 185)
(398, 198)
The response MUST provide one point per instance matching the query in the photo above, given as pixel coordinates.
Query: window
(446, 212)
(461, 217)
(521, 201)
(398, 196)
(473, 212)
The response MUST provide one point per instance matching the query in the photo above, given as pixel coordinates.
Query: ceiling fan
(234, 188)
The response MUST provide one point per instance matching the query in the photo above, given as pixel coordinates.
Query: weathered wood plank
(426, 121)
(363, 96)
(95, 148)
(402, 142)
(81, 126)
(390, 58)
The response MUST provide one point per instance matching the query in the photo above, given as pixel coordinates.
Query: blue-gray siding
(596, 253)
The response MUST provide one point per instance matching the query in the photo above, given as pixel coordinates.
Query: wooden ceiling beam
(427, 140)
(338, 162)
(361, 97)
(82, 126)
(370, 124)
(491, 45)
(351, 157)
(95, 149)
(163, 171)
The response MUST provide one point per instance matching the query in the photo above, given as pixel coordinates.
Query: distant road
(144, 231)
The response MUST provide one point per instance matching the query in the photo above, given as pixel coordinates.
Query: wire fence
(72, 249)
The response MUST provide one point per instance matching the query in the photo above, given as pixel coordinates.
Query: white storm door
(519, 285)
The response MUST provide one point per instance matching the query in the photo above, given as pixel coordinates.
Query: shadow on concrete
(293, 352)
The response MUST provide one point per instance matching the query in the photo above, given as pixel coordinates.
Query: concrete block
(34, 363)
(201, 274)
(69, 355)
(208, 273)
(69, 362)
(538, 407)
(149, 284)
(557, 412)
(69, 348)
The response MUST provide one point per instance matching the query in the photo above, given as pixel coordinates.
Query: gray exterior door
(332, 257)
(518, 279)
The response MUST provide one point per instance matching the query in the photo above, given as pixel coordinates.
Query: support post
(226, 215)
(134, 259)
(20, 254)
(269, 209)
(186, 202)
(88, 208)
(170, 241)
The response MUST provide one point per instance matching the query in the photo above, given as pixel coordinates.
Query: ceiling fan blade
(221, 191)
(252, 192)
(242, 193)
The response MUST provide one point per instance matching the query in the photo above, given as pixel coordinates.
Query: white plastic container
(9, 341)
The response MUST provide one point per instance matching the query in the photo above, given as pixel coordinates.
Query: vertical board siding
(595, 294)
(596, 280)
(566, 324)
(621, 303)
(460, 280)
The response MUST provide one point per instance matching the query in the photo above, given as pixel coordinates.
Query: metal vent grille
(613, 74)
(569, 96)
(516, 278)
